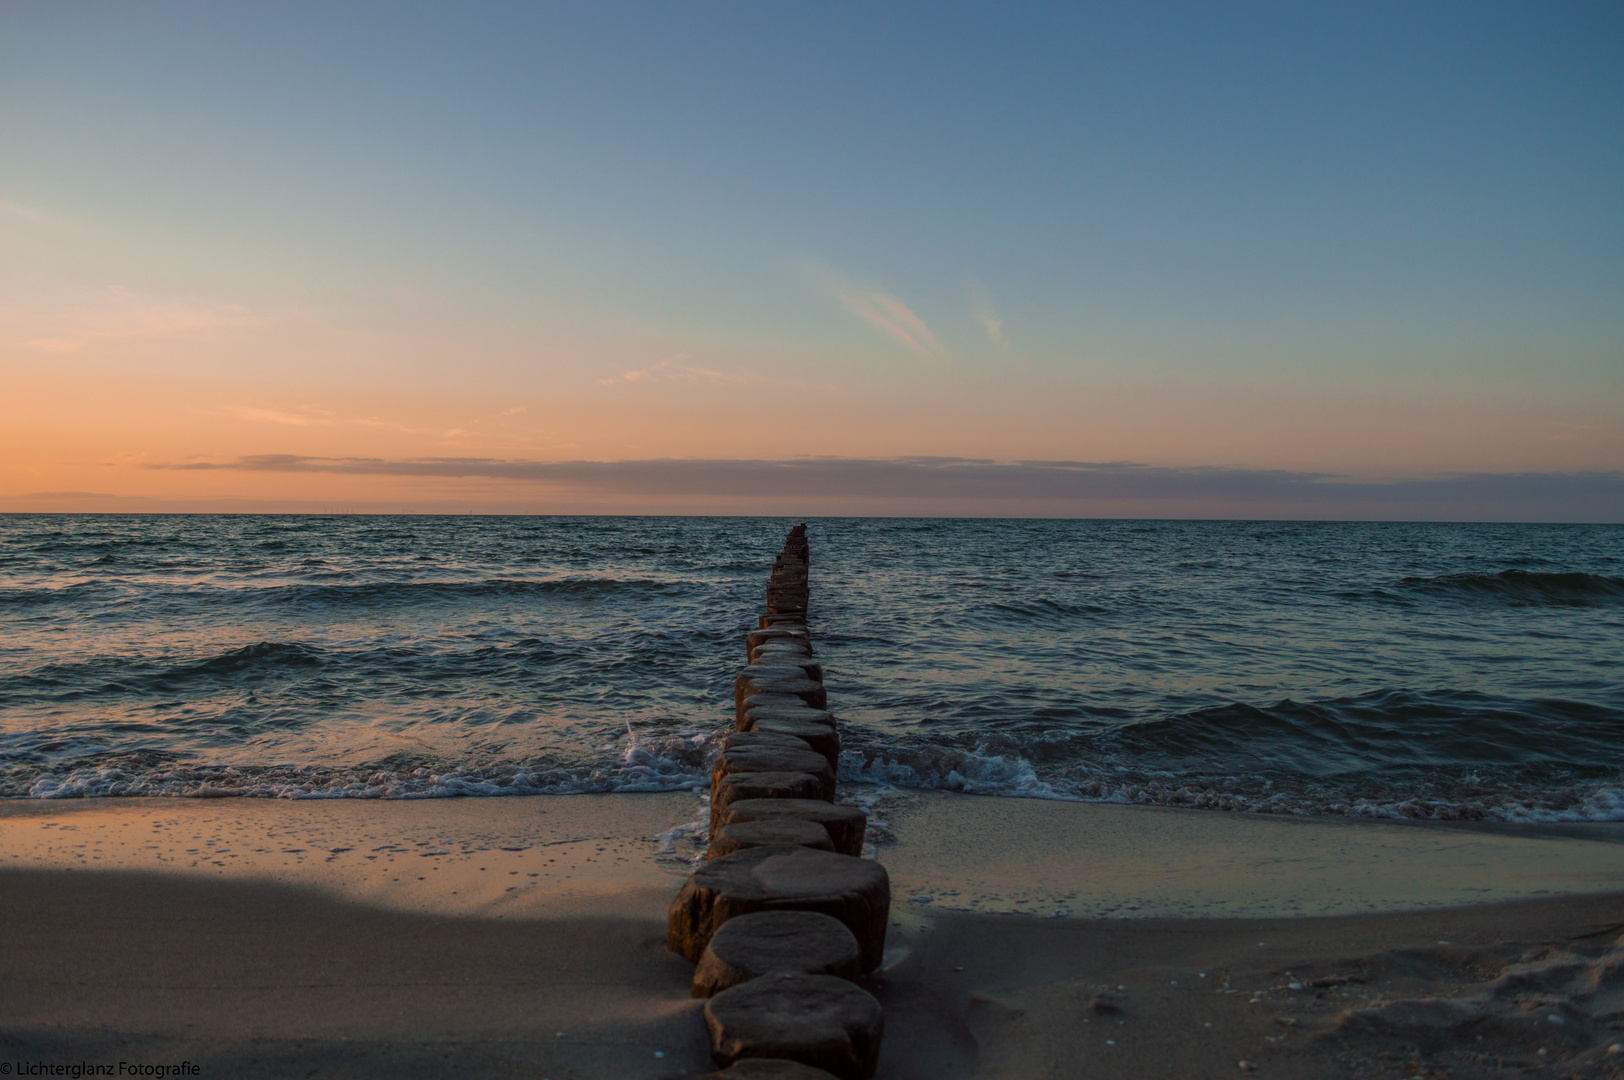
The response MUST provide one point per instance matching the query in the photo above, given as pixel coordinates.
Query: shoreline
(283, 957)
(542, 855)
(1040, 856)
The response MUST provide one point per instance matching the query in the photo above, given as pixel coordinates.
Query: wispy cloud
(119, 314)
(675, 370)
(277, 416)
(316, 416)
(57, 496)
(986, 316)
(945, 485)
(33, 215)
(891, 316)
(468, 433)
(1573, 431)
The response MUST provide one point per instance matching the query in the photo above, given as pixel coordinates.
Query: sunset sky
(1207, 260)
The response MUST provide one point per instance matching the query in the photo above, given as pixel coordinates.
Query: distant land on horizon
(903, 487)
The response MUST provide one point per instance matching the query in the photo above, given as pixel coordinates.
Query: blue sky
(1381, 241)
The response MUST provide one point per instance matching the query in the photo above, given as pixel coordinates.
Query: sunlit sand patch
(532, 857)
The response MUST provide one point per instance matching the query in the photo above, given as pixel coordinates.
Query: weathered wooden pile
(785, 913)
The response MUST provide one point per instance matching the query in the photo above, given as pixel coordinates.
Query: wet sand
(404, 938)
(1103, 860)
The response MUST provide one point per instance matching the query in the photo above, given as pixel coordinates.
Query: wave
(318, 592)
(1393, 753)
(672, 760)
(430, 592)
(413, 684)
(116, 676)
(29, 597)
(1525, 587)
(45, 596)
(985, 770)
(266, 654)
(1384, 731)
(678, 761)
(1045, 609)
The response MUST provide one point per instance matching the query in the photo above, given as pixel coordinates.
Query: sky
(1149, 260)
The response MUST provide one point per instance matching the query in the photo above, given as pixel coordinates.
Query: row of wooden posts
(786, 914)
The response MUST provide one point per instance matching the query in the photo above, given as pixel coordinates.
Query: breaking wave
(1445, 796)
(670, 762)
(1262, 667)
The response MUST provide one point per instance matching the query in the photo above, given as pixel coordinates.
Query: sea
(1431, 671)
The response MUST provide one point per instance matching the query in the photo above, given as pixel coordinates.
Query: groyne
(785, 915)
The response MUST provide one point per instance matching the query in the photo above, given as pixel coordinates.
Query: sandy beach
(737, 541)
(525, 936)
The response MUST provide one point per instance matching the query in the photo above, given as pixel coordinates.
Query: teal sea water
(1443, 671)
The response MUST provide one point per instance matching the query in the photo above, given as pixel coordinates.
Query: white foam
(680, 760)
(952, 770)
(1008, 774)
(667, 763)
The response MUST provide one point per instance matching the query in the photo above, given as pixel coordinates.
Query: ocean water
(1434, 671)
